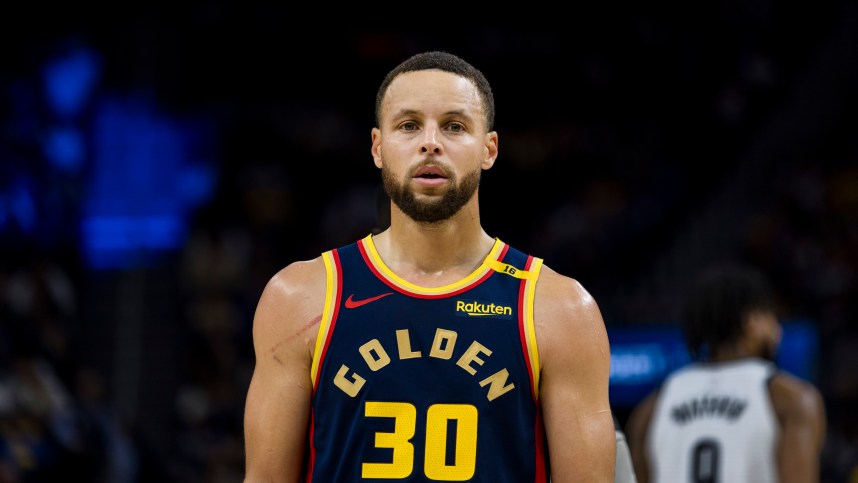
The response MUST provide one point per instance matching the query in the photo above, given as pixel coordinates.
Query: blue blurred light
(117, 241)
(70, 79)
(197, 183)
(4, 215)
(64, 149)
(799, 349)
(124, 232)
(642, 357)
(637, 363)
(146, 178)
(22, 206)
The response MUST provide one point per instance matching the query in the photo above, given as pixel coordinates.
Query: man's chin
(429, 213)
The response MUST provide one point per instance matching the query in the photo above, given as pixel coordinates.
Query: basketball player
(430, 351)
(732, 417)
(623, 468)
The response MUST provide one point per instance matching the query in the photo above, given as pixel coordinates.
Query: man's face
(430, 209)
(432, 144)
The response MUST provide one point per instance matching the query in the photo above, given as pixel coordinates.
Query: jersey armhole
(333, 292)
(528, 292)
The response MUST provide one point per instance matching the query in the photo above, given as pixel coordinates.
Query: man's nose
(429, 144)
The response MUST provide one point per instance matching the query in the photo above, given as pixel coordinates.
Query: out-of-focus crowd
(608, 180)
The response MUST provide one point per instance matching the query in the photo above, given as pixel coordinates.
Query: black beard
(433, 211)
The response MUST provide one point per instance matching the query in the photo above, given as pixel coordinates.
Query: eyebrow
(414, 112)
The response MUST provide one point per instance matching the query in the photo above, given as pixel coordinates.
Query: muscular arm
(636, 431)
(799, 409)
(277, 409)
(575, 361)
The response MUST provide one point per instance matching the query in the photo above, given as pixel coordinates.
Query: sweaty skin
(432, 120)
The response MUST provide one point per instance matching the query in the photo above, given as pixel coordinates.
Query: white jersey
(714, 423)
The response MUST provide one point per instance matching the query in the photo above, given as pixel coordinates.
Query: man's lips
(429, 181)
(430, 176)
(430, 171)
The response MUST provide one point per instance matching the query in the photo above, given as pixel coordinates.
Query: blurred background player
(732, 416)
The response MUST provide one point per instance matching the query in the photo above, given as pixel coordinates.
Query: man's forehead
(419, 89)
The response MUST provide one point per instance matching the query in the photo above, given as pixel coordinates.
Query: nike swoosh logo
(351, 303)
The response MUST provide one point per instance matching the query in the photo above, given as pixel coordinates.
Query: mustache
(430, 162)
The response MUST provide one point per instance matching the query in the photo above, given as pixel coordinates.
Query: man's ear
(376, 147)
(491, 150)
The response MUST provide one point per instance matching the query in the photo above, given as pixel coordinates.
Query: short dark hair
(715, 310)
(438, 60)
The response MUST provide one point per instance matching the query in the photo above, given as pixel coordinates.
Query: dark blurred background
(157, 167)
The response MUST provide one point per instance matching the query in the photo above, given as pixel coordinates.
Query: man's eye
(408, 126)
(456, 127)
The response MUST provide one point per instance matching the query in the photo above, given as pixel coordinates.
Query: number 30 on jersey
(437, 418)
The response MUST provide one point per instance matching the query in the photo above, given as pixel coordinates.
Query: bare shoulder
(562, 303)
(574, 362)
(791, 395)
(799, 408)
(558, 293)
(290, 308)
(567, 316)
(284, 333)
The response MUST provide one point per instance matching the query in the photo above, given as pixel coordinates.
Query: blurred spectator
(642, 120)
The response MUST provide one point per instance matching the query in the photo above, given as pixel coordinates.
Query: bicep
(275, 423)
(580, 432)
(579, 424)
(277, 409)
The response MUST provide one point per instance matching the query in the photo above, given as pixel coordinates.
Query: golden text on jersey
(420, 384)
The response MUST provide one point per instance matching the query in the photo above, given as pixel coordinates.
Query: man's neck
(434, 254)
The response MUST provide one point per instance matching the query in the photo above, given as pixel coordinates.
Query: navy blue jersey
(424, 384)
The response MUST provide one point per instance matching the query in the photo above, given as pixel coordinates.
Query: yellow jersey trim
(529, 326)
(331, 282)
(508, 269)
(400, 282)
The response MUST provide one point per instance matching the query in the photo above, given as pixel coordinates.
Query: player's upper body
(733, 417)
(318, 371)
